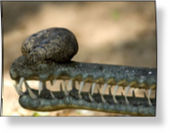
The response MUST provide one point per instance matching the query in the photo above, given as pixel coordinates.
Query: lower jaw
(136, 106)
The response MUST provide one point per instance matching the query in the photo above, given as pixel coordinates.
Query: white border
(0, 64)
(158, 124)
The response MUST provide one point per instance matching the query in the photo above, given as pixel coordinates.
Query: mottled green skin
(90, 72)
(137, 106)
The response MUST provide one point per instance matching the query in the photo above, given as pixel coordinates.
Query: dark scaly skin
(138, 106)
(90, 72)
(49, 69)
(100, 73)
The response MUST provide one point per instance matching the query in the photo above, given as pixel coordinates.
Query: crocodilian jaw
(74, 76)
(70, 97)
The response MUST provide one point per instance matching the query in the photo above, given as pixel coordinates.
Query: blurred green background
(121, 33)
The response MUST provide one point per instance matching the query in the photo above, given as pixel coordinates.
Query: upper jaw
(88, 72)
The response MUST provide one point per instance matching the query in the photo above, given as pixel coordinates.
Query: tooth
(126, 93)
(70, 84)
(19, 86)
(20, 82)
(81, 87)
(65, 88)
(40, 87)
(91, 98)
(93, 87)
(103, 90)
(32, 95)
(149, 95)
(52, 95)
(103, 100)
(114, 94)
(18, 90)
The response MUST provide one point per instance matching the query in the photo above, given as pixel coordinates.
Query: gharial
(47, 57)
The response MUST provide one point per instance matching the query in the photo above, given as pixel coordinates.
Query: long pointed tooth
(91, 98)
(31, 93)
(149, 95)
(104, 88)
(65, 88)
(20, 82)
(114, 94)
(70, 84)
(18, 86)
(126, 93)
(103, 99)
(18, 90)
(93, 87)
(52, 95)
(40, 87)
(81, 86)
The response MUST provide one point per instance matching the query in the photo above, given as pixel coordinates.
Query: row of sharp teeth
(71, 84)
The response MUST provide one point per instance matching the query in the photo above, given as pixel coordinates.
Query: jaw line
(68, 102)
